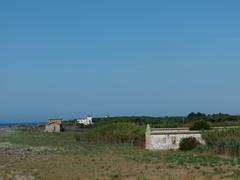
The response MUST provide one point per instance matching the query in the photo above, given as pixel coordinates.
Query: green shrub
(117, 133)
(225, 141)
(200, 125)
(189, 143)
(202, 148)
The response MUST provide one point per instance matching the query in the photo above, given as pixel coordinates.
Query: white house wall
(170, 141)
(86, 121)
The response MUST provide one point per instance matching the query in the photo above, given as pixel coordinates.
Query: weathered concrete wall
(166, 139)
(53, 128)
(170, 141)
(148, 137)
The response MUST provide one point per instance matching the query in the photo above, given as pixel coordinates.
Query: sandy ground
(24, 162)
(28, 163)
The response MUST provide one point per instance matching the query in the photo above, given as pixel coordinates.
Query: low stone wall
(169, 138)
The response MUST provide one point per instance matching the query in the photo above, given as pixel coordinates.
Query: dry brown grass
(68, 159)
(80, 167)
(105, 166)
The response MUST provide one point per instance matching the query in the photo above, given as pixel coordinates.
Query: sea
(12, 125)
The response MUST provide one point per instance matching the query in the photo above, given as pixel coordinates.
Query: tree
(197, 115)
(200, 125)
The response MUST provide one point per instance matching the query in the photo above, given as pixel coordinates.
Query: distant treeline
(219, 119)
(142, 120)
(176, 121)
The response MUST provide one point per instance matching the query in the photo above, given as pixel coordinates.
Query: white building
(85, 121)
(169, 138)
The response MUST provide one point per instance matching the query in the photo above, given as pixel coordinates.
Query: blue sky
(72, 58)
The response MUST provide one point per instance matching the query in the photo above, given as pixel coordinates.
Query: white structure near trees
(85, 121)
(168, 138)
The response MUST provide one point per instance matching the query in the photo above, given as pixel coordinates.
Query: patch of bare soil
(30, 163)
(82, 167)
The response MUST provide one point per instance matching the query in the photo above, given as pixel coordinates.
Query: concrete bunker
(168, 138)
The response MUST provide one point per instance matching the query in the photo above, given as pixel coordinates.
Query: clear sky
(129, 57)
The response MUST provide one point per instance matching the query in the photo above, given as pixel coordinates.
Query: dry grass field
(37, 155)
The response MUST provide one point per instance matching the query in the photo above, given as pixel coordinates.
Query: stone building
(168, 138)
(54, 125)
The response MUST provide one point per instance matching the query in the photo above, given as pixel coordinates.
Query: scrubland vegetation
(61, 156)
(113, 148)
(115, 133)
(225, 141)
(200, 125)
